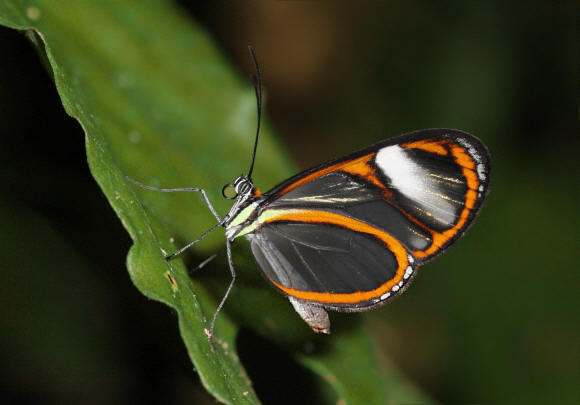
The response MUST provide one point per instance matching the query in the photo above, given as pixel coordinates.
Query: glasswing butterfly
(349, 234)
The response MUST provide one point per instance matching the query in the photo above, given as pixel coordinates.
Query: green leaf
(159, 103)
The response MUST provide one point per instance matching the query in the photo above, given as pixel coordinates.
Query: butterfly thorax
(244, 209)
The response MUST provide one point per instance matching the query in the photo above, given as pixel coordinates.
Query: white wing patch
(414, 182)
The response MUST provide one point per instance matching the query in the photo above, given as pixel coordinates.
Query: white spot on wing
(481, 171)
(411, 179)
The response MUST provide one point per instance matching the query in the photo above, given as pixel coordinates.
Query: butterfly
(349, 234)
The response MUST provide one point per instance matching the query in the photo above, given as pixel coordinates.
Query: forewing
(424, 188)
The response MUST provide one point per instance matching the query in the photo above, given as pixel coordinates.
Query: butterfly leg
(190, 244)
(225, 297)
(186, 189)
(174, 190)
(315, 316)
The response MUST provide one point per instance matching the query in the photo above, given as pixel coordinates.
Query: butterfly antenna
(257, 81)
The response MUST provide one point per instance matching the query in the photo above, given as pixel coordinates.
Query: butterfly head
(240, 189)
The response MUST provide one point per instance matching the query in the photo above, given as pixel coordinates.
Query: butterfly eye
(229, 192)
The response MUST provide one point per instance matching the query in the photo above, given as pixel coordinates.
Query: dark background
(494, 320)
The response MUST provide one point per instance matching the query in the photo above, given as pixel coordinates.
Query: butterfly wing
(425, 188)
(324, 257)
(348, 234)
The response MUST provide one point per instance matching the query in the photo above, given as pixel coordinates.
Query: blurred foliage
(493, 320)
